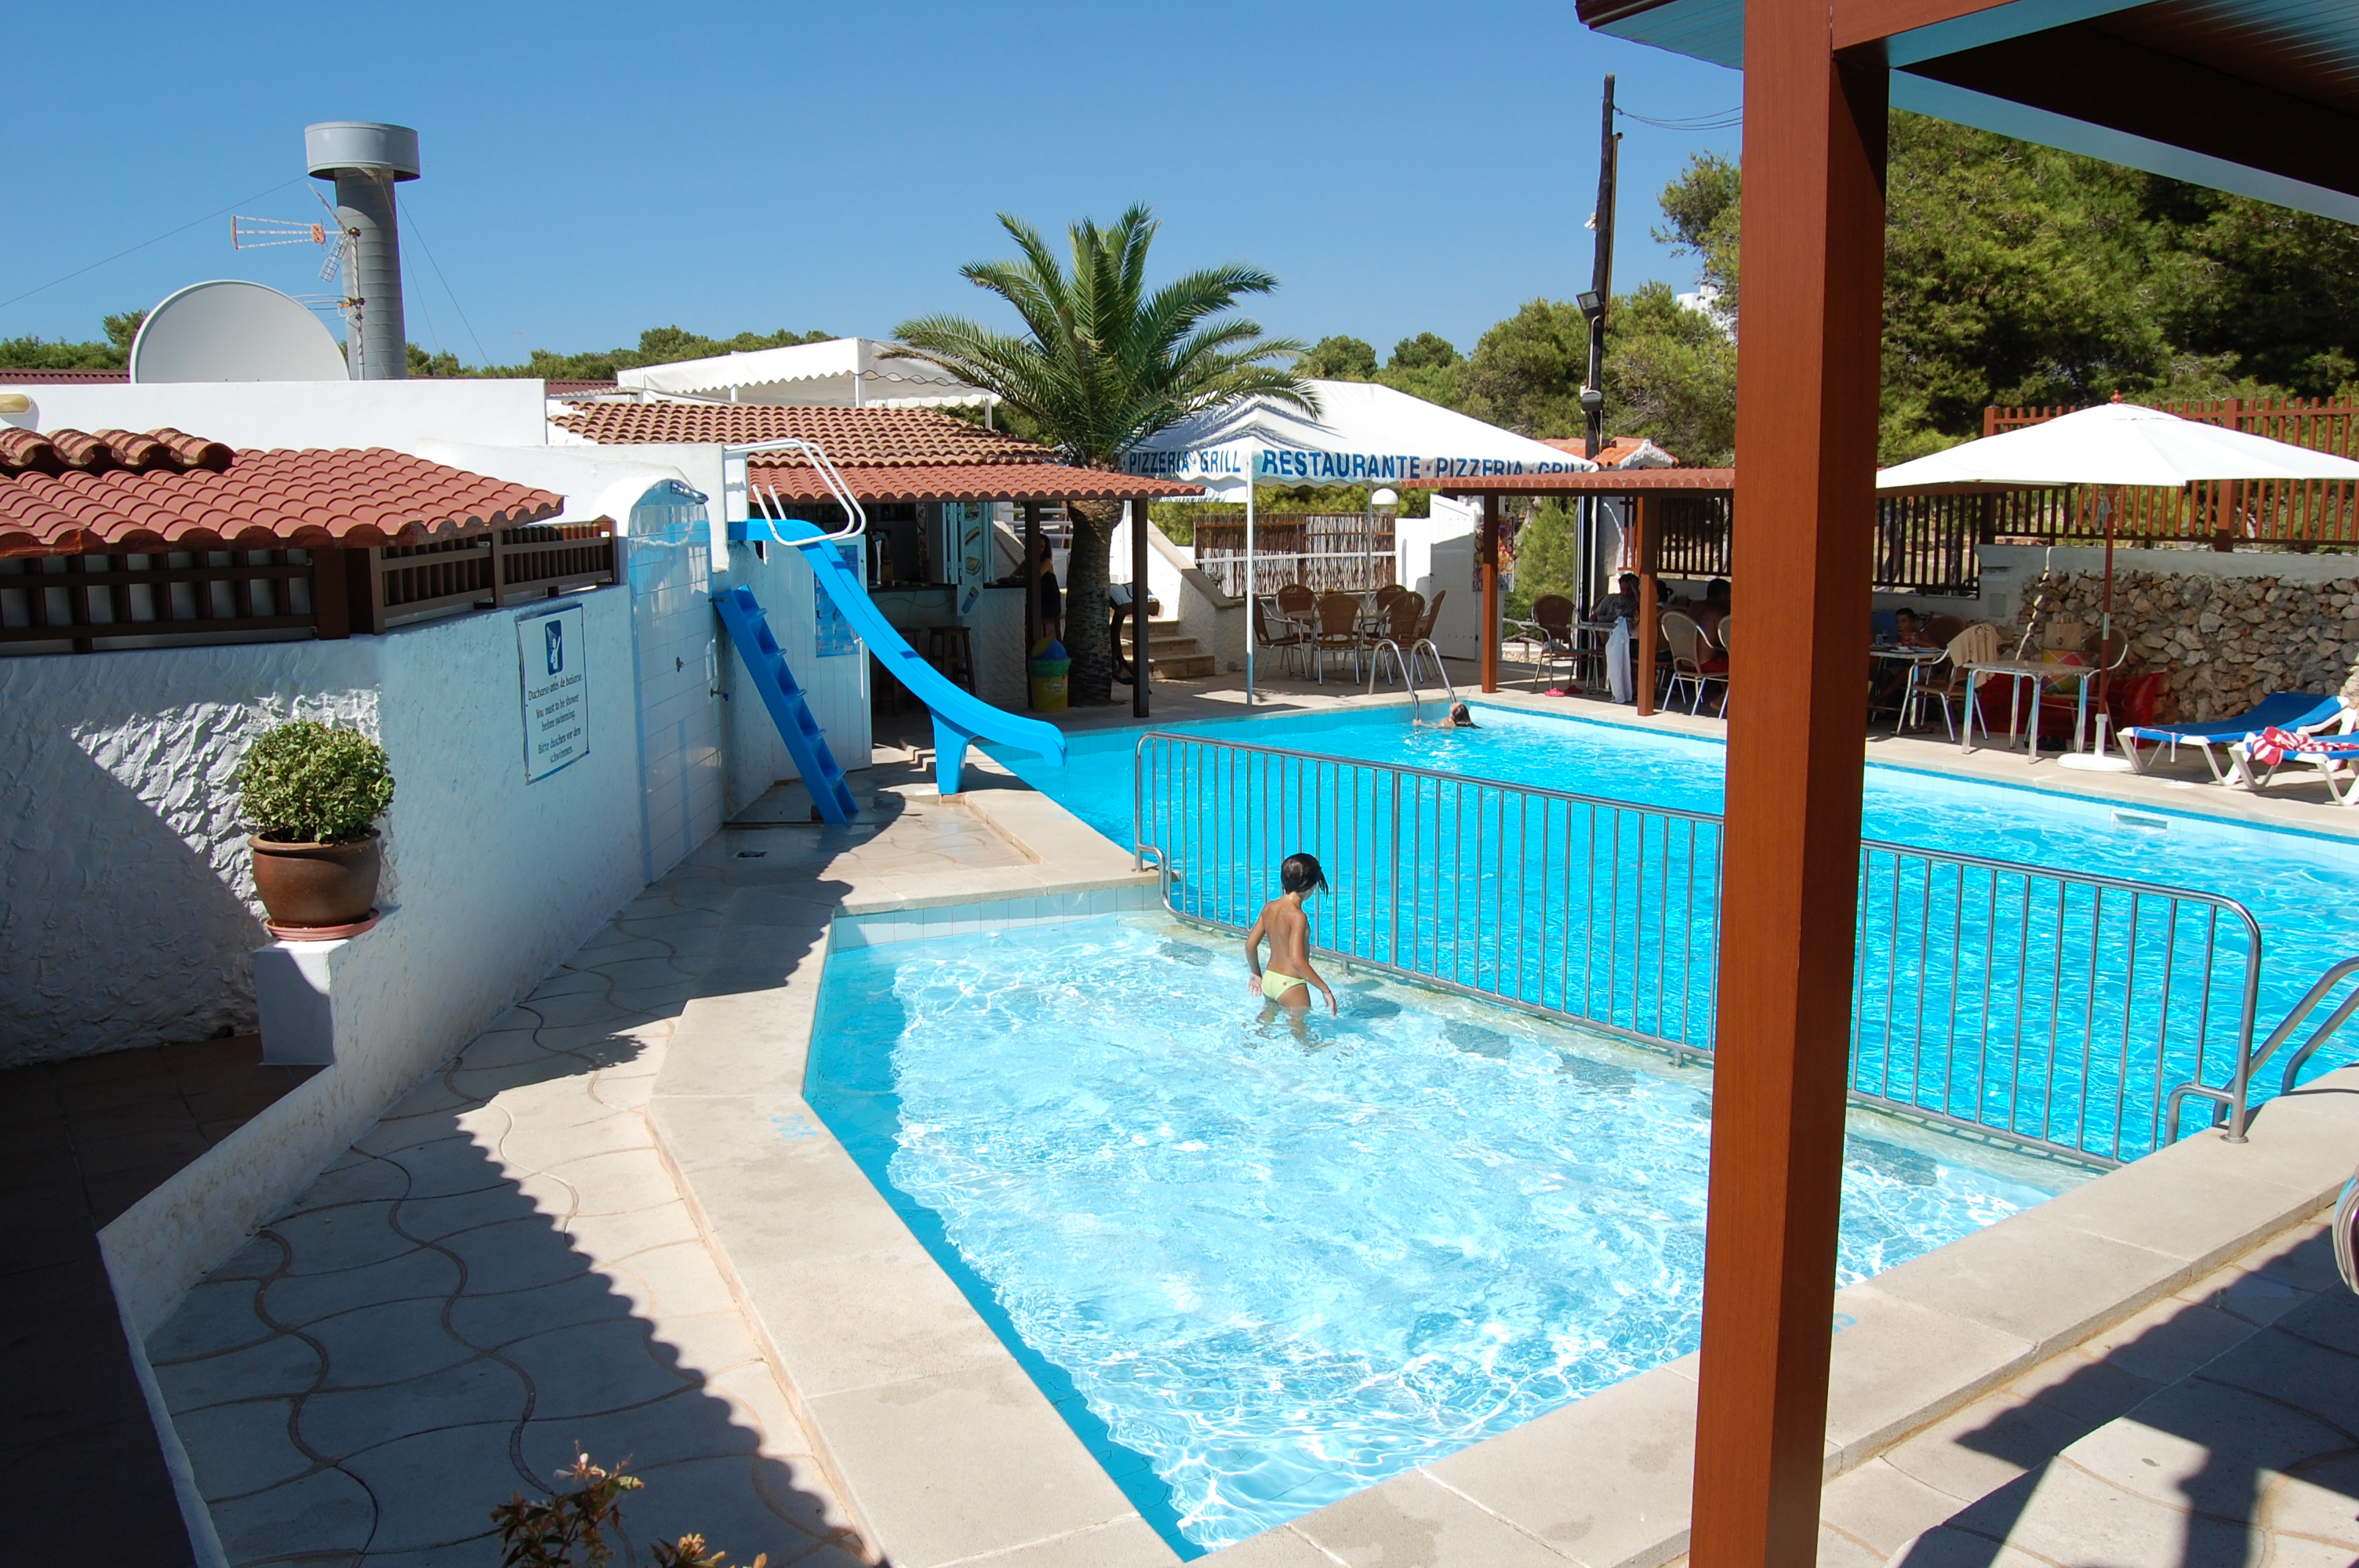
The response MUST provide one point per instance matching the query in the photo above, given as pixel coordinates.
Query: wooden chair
(1339, 631)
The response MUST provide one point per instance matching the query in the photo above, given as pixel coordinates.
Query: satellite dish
(229, 330)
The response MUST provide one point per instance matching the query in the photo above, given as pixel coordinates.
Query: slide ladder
(749, 628)
(960, 718)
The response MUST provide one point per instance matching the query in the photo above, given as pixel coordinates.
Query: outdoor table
(1589, 643)
(1916, 659)
(2018, 671)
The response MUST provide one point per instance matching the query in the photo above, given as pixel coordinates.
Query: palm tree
(1102, 366)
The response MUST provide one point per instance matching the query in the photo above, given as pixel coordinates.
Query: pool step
(1172, 655)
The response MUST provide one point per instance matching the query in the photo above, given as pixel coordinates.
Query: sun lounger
(2259, 758)
(2292, 710)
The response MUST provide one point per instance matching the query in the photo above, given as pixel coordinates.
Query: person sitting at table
(1713, 609)
(1891, 677)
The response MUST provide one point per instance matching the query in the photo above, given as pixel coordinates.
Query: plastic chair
(1690, 650)
(1976, 644)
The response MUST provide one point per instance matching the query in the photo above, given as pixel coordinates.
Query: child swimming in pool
(1289, 977)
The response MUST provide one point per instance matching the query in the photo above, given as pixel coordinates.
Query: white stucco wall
(1437, 554)
(677, 659)
(837, 687)
(126, 901)
(399, 415)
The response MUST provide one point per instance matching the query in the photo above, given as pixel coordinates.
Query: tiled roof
(72, 492)
(1611, 453)
(1605, 482)
(564, 388)
(964, 482)
(869, 437)
(11, 375)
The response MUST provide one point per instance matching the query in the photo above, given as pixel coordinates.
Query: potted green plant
(310, 792)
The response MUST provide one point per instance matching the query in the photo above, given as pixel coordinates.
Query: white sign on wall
(555, 668)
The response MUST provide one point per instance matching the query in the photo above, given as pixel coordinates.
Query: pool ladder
(1406, 667)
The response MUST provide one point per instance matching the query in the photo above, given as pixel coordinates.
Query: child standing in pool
(1289, 977)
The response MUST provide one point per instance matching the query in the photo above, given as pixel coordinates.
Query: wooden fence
(167, 597)
(1348, 552)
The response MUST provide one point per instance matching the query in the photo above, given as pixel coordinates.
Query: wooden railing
(172, 597)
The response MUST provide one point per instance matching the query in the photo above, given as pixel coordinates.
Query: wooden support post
(331, 609)
(1806, 431)
(1139, 635)
(1029, 574)
(1487, 571)
(1649, 629)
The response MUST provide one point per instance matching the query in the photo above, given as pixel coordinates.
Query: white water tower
(366, 160)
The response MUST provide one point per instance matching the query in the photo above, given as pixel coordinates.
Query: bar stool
(949, 650)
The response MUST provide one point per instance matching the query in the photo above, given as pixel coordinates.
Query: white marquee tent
(1365, 434)
(842, 373)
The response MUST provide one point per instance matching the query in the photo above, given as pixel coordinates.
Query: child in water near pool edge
(1289, 977)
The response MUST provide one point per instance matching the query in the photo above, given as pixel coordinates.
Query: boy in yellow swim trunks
(1289, 977)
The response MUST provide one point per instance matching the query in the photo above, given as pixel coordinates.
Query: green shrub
(308, 782)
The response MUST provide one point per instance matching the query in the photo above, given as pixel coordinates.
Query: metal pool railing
(2057, 1010)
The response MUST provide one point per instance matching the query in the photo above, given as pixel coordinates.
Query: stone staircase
(1172, 655)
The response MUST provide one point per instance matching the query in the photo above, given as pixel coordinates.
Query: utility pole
(1593, 305)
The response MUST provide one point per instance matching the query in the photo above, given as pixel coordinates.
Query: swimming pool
(1259, 1269)
(2102, 1007)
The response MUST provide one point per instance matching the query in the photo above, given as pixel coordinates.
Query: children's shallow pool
(1261, 1265)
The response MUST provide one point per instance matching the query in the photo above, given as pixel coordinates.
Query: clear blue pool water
(2303, 889)
(1260, 1267)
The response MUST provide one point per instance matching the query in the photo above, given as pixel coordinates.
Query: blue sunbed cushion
(2284, 709)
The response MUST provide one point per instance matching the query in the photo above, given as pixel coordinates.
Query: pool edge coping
(996, 1441)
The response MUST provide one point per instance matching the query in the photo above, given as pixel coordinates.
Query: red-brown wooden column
(1809, 321)
(1487, 569)
(1645, 655)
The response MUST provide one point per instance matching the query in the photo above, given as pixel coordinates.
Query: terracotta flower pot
(306, 885)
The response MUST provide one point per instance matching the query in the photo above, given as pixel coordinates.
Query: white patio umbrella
(2114, 444)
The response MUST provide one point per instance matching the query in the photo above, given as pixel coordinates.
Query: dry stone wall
(2224, 642)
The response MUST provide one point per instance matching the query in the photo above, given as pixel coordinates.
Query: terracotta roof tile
(869, 437)
(198, 494)
(15, 375)
(1610, 451)
(963, 482)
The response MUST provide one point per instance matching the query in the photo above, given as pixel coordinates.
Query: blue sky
(591, 170)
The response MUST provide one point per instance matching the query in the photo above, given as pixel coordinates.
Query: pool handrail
(2232, 1097)
(1376, 668)
(2233, 1113)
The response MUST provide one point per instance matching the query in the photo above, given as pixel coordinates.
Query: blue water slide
(959, 716)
